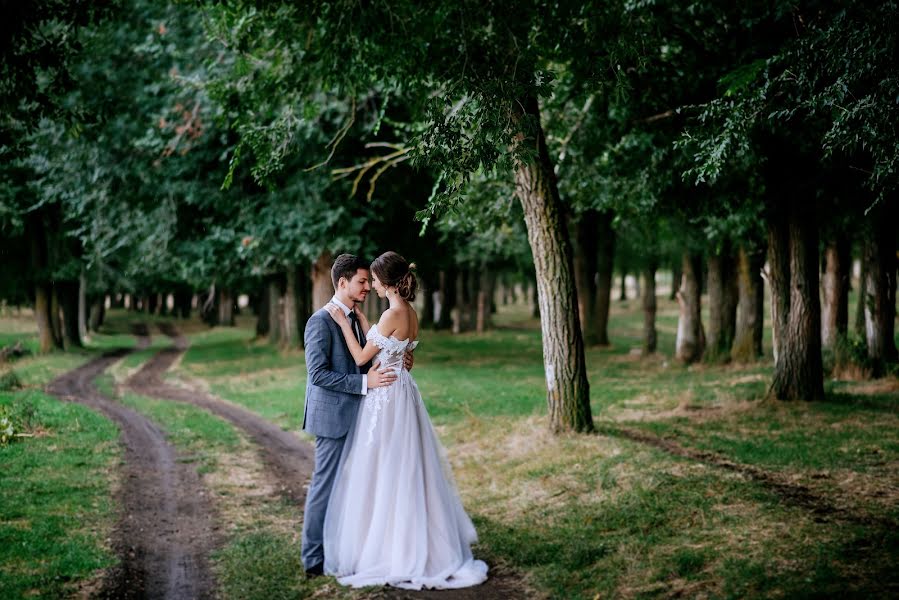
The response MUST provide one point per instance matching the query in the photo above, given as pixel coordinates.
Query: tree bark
(862, 294)
(97, 312)
(225, 307)
(263, 314)
(290, 336)
(568, 393)
(690, 341)
(676, 275)
(880, 289)
(68, 299)
(448, 298)
(275, 310)
(82, 305)
(835, 287)
(605, 269)
(55, 321)
(650, 336)
(34, 231)
(426, 291)
(750, 307)
(322, 287)
(484, 300)
(305, 307)
(585, 268)
(723, 299)
(796, 309)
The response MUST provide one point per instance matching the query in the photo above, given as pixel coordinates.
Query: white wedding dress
(394, 516)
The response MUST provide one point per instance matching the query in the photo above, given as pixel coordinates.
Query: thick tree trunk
(880, 289)
(676, 275)
(82, 305)
(151, 303)
(650, 337)
(723, 299)
(750, 307)
(835, 287)
(42, 317)
(34, 231)
(484, 302)
(55, 321)
(796, 309)
(605, 269)
(862, 294)
(226, 307)
(305, 307)
(568, 393)
(322, 287)
(98, 312)
(68, 299)
(585, 268)
(263, 316)
(426, 319)
(460, 305)
(447, 298)
(690, 341)
(290, 336)
(275, 309)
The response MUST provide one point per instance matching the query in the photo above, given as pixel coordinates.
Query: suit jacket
(334, 382)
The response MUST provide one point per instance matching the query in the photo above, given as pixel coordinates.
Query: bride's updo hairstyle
(393, 269)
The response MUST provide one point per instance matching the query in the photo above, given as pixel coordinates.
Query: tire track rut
(287, 456)
(167, 527)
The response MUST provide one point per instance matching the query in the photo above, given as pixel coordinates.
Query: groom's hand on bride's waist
(378, 378)
(408, 360)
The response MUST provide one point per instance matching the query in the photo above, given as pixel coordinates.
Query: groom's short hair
(346, 266)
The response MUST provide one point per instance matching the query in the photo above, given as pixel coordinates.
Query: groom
(334, 388)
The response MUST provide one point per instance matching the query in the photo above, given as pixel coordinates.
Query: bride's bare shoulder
(389, 322)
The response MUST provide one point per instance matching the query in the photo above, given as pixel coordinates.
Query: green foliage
(831, 74)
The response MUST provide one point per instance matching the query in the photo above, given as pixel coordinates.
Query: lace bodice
(391, 357)
(392, 349)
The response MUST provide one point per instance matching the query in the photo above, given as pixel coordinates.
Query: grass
(56, 510)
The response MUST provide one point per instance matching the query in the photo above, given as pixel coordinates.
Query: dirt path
(288, 457)
(167, 527)
(290, 460)
(819, 504)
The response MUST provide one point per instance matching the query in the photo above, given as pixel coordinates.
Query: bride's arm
(360, 355)
(363, 321)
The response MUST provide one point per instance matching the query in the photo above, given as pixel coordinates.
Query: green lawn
(56, 512)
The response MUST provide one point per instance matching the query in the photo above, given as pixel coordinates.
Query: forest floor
(180, 470)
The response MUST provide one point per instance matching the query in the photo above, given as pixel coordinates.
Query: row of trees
(233, 147)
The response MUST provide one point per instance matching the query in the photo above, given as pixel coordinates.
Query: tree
(478, 72)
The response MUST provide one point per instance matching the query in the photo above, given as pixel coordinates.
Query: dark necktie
(357, 329)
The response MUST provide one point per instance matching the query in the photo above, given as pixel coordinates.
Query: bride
(394, 516)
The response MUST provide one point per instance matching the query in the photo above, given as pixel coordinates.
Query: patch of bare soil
(167, 527)
(290, 460)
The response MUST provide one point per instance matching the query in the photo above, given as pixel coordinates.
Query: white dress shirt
(347, 311)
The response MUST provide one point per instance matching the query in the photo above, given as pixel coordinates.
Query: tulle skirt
(395, 516)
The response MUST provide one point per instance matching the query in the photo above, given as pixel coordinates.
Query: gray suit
(333, 393)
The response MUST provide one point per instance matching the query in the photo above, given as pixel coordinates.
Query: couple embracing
(382, 507)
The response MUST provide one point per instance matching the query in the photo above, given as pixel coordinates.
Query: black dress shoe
(315, 570)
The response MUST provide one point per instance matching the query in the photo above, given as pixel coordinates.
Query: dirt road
(167, 526)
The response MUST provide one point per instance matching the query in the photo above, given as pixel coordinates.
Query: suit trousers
(327, 457)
